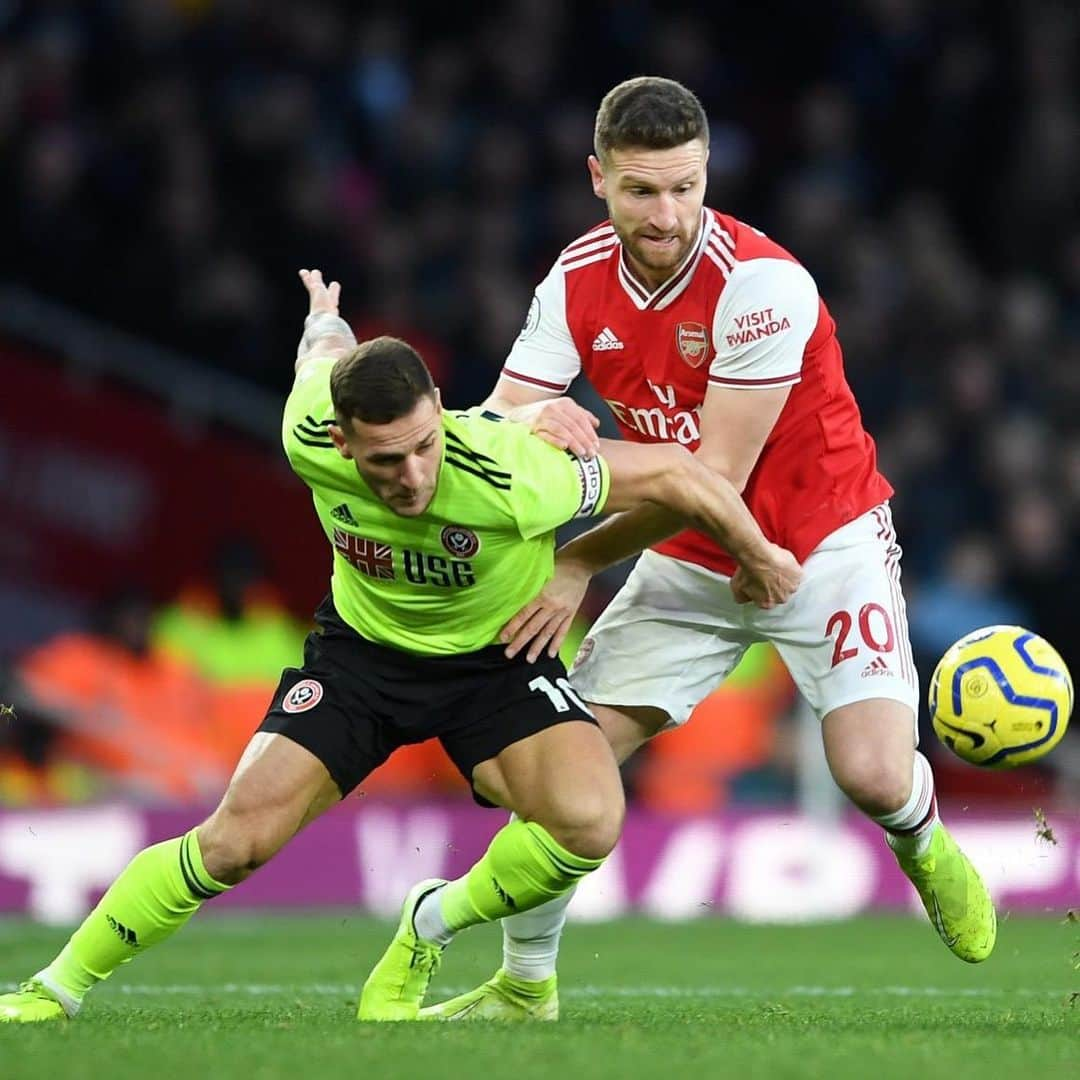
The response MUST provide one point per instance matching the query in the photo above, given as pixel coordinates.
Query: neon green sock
(523, 867)
(157, 892)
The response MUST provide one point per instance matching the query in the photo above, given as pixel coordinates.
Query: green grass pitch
(261, 997)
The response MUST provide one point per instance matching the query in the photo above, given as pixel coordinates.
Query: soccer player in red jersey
(697, 328)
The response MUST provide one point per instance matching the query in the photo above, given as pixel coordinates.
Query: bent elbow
(738, 478)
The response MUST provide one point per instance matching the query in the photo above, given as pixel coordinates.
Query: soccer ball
(1001, 697)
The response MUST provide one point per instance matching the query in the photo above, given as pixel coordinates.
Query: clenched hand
(770, 581)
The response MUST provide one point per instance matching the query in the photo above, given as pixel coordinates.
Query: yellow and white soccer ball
(1001, 697)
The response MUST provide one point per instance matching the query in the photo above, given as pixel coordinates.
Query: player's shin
(158, 891)
(910, 829)
(523, 868)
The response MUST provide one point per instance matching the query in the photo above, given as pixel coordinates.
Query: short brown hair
(650, 112)
(379, 381)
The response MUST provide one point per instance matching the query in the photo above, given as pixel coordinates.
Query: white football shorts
(673, 632)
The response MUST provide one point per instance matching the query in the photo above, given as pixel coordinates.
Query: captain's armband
(591, 476)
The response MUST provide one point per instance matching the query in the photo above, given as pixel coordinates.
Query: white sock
(908, 831)
(531, 939)
(428, 919)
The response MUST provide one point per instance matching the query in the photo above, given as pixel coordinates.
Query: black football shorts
(354, 702)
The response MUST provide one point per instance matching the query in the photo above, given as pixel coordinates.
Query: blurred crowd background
(166, 166)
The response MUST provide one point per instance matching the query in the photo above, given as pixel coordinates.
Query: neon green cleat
(397, 984)
(954, 896)
(32, 1003)
(502, 997)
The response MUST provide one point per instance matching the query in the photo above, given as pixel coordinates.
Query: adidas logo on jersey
(605, 341)
(343, 514)
(877, 666)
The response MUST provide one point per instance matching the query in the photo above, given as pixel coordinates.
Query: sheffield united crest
(693, 341)
(305, 695)
(462, 543)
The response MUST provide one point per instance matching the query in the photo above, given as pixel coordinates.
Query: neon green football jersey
(446, 581)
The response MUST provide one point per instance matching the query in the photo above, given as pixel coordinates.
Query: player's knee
(876, 787)
(233, 847)
(591, 827)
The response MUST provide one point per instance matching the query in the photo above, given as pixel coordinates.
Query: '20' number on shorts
(875, 628)
(557, 692)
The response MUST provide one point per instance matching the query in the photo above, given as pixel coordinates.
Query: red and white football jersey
(739, 313)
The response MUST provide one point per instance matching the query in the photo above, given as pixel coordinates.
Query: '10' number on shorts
(557, 692)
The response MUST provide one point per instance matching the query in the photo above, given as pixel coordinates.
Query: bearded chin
(655, 261)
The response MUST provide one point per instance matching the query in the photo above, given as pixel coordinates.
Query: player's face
(654, 199)
(400, 460)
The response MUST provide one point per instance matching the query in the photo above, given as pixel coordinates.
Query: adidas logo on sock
(606, 341)
(124, 933)
(504, 896)
(877, 666)
(343, 514)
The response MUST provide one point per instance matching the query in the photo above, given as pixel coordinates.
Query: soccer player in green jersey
(442, 528)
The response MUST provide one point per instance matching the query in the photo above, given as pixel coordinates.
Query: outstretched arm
(683, 490)
(326, 334)
(734, 427)
(677, 489)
